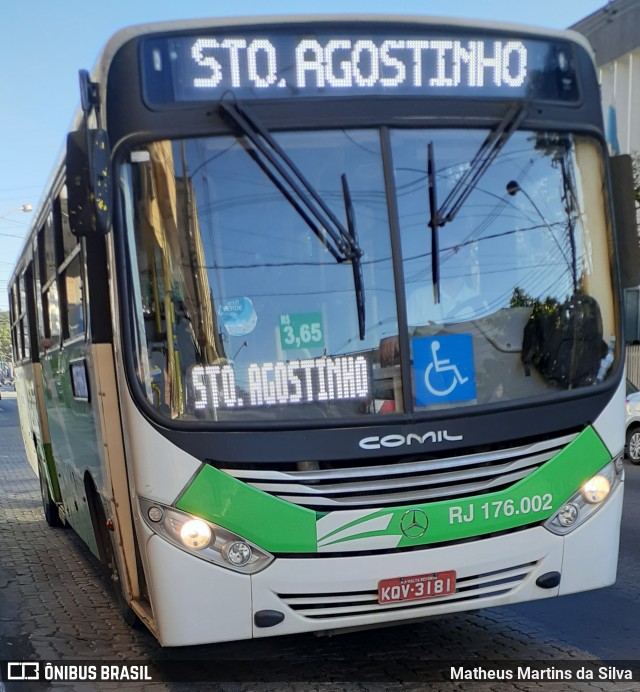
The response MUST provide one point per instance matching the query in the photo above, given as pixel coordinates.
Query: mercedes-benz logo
(414, 523)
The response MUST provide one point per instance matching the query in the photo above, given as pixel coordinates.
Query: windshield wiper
(356, 262)
(467, 183)
(289, 179)
(434, 223)
(484, 157)
(341, 242)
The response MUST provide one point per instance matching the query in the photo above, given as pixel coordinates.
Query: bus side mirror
(88, 163)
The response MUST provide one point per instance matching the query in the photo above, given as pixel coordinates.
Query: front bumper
(195, 602)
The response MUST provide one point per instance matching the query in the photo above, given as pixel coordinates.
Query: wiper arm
(466, 184)
(356, 262)
(484, 157)
(288, 178)
(434, 223)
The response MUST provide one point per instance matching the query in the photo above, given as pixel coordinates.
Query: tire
(633, 445)
(49, 507)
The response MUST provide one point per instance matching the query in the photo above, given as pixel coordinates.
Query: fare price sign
(354, 59)
(301, 330)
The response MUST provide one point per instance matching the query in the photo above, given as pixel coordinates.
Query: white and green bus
(318, 326)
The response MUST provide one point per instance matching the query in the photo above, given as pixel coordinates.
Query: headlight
(587, 500)
(203, 538)
(596, 489)
(195, 534)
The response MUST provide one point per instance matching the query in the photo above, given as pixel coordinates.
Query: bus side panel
(26, 393)
(74, 438)
(34, 426)
(155, 469)
(116, 485)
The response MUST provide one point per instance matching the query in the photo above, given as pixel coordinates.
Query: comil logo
(433, 436)
(23, 671)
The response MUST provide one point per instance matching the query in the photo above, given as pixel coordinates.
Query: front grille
(321, 606)
(404, 483)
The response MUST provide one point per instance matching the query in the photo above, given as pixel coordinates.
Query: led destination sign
(280, 383)
(283, 64)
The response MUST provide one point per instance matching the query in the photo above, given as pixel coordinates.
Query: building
(614, 34)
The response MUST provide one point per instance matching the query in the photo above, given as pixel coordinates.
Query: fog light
(596, 489)
(155, 514)
(195, 534)
(237, 553)
(568, 514)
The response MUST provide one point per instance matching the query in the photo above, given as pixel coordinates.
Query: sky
(45, 43)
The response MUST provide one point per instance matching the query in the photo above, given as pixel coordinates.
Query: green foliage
(5, 338)
(521, 299)
(635, 161)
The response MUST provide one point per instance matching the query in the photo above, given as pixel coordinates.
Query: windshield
(245, 310)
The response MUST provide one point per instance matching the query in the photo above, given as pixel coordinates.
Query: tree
(635, 162)
(5, 338)
(521, 299)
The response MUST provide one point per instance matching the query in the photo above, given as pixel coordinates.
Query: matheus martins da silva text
(534, 673)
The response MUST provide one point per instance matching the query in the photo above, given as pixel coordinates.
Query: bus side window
(16, 332)
(49, 286)
(52, 316)
(37, 287)
(71, 283)
(179, 316)
(74, 297)
(24, 320)
(12, 321)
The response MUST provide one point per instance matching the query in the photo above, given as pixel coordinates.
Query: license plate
(417, 587)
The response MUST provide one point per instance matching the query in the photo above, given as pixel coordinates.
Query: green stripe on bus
(267, 521)
(531, 500)
(278, 526)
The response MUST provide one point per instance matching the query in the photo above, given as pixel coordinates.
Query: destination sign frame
(323, 380)
(298, 62)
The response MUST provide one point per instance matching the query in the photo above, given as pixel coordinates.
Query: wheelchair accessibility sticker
(443, 369)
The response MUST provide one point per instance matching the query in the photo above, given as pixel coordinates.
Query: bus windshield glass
(244, 311)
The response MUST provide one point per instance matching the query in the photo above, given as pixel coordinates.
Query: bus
(318, 324)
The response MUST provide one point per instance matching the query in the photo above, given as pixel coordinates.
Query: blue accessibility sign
(443, 369)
